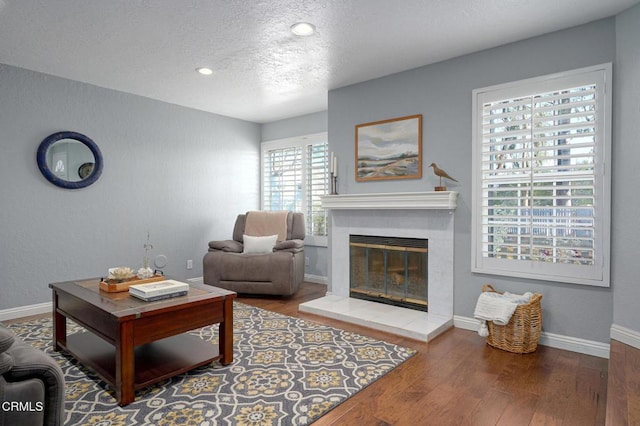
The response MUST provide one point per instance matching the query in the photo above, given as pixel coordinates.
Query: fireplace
(389, 270)
(424, 215)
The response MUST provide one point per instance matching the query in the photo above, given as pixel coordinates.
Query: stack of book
(159, 290)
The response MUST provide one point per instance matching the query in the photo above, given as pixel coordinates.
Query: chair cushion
(259, 244)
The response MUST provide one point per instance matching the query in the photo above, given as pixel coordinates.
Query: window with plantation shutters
(295, 175)
(541, 152)
(283, 179)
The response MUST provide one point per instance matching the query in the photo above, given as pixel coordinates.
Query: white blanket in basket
(498, 308)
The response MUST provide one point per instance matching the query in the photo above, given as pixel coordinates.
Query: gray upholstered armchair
(255, 261)
(31, 384)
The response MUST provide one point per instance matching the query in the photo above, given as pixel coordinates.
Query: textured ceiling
(262, 72)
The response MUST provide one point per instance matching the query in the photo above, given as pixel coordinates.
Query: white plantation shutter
(317, 186)
(541, 205)
(282, 177)
(295, 175)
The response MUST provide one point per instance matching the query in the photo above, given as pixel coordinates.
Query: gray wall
(307, 124)
(626, 178)
(298, 126)
(170, 171)
(442, 94)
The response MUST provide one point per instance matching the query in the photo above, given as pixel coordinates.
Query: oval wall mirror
(69, 160)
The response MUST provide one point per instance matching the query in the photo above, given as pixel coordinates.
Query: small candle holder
(333, 184)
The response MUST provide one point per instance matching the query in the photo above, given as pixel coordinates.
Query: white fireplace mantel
(442, 200)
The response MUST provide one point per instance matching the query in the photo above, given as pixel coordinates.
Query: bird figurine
(441, 174)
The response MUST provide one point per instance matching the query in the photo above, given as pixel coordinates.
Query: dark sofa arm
(230, 246)
(30, 394)
(6, 340)
(30, 363)
(293, 246)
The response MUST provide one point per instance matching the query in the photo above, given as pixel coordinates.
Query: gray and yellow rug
(286, 371)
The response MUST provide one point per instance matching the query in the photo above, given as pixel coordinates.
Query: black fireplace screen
(389, 270)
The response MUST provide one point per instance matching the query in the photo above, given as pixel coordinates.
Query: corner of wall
(625, 335)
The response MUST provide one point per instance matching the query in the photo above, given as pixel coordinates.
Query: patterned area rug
(286, 371)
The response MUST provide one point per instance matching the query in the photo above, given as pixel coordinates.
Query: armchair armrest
(6, 340)
(6, 362)
(226, 245)
(293, 246)
(30, 363)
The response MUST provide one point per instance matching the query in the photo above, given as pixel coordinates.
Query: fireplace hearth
(389, 270)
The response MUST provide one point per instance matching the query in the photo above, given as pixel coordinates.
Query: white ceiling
(263, 72)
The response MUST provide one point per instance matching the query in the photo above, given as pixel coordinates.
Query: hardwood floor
(457, 379)
(623, 399)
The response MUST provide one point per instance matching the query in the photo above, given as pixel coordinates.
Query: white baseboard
(25, 311)
(574, 344)
(625, 335)
(568, 343)
(466, 323)
(318, 279)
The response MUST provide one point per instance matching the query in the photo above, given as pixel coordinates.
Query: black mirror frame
(41, 158)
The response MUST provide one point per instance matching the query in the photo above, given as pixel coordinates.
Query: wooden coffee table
(132, 344)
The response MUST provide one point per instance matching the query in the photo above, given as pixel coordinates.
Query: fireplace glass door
(389, 270)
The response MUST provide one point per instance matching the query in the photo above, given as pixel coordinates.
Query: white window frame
(298, 141)
(597, 274)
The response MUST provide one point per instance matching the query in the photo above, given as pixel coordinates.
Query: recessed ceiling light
(303, 29)
(204, 70)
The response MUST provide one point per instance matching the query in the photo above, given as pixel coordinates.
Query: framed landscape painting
(389, 149)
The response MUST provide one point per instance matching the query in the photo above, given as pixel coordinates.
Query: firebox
(389, 270)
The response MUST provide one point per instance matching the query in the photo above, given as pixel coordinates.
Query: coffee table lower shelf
(154, 362)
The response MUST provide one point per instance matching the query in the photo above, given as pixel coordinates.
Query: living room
(182, 175)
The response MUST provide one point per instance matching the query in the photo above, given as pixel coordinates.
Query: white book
(159, 288)
(161, 297)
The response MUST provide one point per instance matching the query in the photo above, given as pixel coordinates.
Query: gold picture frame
(389, 149)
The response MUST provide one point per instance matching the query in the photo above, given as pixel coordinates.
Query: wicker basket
(522, 333)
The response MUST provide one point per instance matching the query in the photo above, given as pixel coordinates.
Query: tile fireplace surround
(427, 215)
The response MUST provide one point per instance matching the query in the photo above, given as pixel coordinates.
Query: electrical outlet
(189, 264)
(306, 261)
